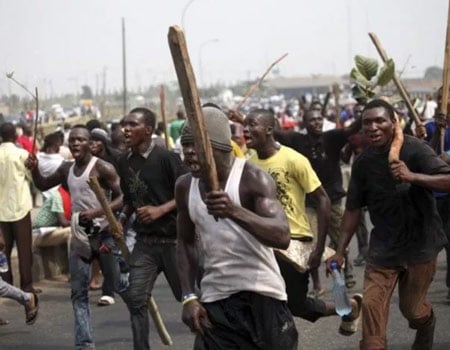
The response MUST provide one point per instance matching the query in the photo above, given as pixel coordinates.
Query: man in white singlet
(234, 230)
(89, 213)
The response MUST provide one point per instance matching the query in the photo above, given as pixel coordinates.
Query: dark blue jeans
(80, 271)
(147, 261)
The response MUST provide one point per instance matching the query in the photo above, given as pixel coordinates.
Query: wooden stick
(36, 118)
(325, 103)
(445, 81)
(401, 89)
(118, 237)
(191, 100)
(336, 101)
(156, 316)
(253, 88)
(162, 99)
(113, 224)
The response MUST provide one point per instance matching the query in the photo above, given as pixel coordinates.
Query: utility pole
(103, 99)
(124, 69)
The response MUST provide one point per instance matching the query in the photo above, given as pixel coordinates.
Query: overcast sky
(62, 44)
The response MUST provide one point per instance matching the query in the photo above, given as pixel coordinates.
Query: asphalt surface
(54, 327)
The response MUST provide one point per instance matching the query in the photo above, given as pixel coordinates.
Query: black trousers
(147, 261)
(248, 321)
(19, 232)
(299, 303)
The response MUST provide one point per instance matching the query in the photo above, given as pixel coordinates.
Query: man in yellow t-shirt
(295, 178)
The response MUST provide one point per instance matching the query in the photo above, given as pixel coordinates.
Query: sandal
(31, 310)
(349, 323)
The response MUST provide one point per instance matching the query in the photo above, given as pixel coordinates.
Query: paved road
(53, 330)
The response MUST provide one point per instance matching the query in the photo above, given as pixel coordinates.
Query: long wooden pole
(401, 89)
(116, 234)
(191, 100)
(253, 88)
(445, 81)
(162, 99)
(36, 119)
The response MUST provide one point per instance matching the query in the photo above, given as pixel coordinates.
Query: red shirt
(26, 142)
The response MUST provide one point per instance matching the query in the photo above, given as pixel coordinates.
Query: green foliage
(369, 78)
(386, 73)
(368, 67)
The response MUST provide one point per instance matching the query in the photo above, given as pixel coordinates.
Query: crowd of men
(223, 251)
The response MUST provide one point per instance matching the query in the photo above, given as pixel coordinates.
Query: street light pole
(183, 13)
(200, 63)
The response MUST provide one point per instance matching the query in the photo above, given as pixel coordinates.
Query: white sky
(62, 44)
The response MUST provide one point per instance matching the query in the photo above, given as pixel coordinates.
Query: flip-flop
(349, 324)
(31, 313)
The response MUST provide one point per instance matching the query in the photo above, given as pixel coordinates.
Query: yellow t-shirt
(237, 152)
(295, 178)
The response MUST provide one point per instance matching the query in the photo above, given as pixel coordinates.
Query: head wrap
(217, 127)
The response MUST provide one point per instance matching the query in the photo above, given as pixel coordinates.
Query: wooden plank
(162, 99)
(191, 100)
(445, 81)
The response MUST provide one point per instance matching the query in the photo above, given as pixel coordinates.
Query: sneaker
(106, 300)
(349, 323)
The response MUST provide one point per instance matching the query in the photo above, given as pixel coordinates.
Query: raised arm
(261, 214)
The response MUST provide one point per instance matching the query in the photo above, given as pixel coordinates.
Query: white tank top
(82, 197)
(234, 260)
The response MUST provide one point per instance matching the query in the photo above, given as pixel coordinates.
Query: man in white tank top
(234, 230)
(85, 204)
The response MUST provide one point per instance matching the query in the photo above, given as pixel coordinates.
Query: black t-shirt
(407, 227)
(324, 156)
(151, 181)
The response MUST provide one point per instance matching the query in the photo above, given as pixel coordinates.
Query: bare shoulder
(64, 168)
(183, 182)
(256, 181)
(182, 186)
(104, 168)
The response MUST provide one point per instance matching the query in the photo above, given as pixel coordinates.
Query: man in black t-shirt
(148, 174)
(407, 233)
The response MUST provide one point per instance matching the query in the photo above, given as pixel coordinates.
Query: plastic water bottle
(3, 263)
(341, 300)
